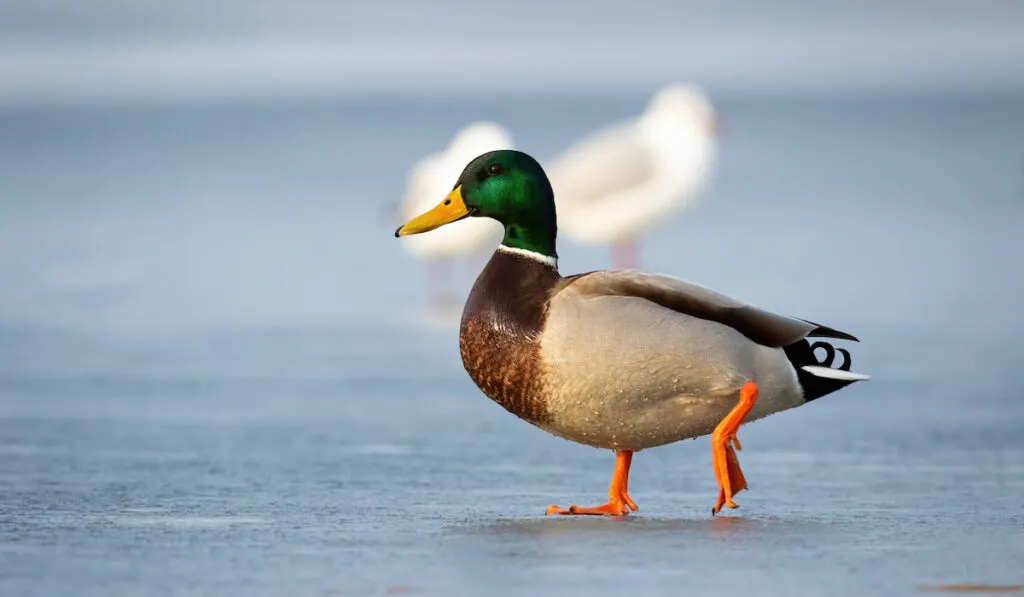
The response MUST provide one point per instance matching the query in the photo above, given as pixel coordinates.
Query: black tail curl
(803, 353)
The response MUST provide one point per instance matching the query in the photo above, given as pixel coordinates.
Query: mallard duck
(620, 181)
(430, 178)
(619, 359)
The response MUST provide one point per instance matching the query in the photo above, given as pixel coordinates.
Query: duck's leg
(723, 456)
(625, 253)
(619, 502)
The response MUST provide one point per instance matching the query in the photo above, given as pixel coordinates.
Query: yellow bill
(453, 208)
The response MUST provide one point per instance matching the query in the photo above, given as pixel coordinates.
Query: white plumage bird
(622, 180)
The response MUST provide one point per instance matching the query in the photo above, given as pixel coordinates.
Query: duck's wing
(600, 166)
(760, 326)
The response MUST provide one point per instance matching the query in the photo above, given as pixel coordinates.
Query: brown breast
(500, 332)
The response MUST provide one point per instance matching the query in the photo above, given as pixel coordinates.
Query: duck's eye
(495, 169)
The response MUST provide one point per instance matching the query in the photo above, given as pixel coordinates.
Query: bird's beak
(452, 209)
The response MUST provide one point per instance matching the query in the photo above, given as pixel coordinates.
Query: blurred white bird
(623, 179)
(428, 182)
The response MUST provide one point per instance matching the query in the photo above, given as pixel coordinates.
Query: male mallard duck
(623, 179)
(430, 178)
(623, 360)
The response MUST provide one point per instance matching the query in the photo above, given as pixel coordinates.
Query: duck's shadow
(718, 526)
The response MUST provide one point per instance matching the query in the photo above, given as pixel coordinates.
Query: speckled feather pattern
(507, 369)
(499, 337)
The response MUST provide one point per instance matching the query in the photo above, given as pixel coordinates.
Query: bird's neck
(534, 239)
(512, 290)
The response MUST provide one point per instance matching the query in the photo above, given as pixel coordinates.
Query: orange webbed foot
(723, 450)
(610, 509)
(619, 502)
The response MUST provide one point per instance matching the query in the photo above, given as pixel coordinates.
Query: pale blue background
(218, 375)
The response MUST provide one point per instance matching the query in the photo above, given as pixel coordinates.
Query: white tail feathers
(834, 373)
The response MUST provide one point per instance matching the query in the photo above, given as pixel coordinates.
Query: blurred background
(220, 372)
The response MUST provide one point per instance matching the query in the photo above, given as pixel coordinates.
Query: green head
(508, 186)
